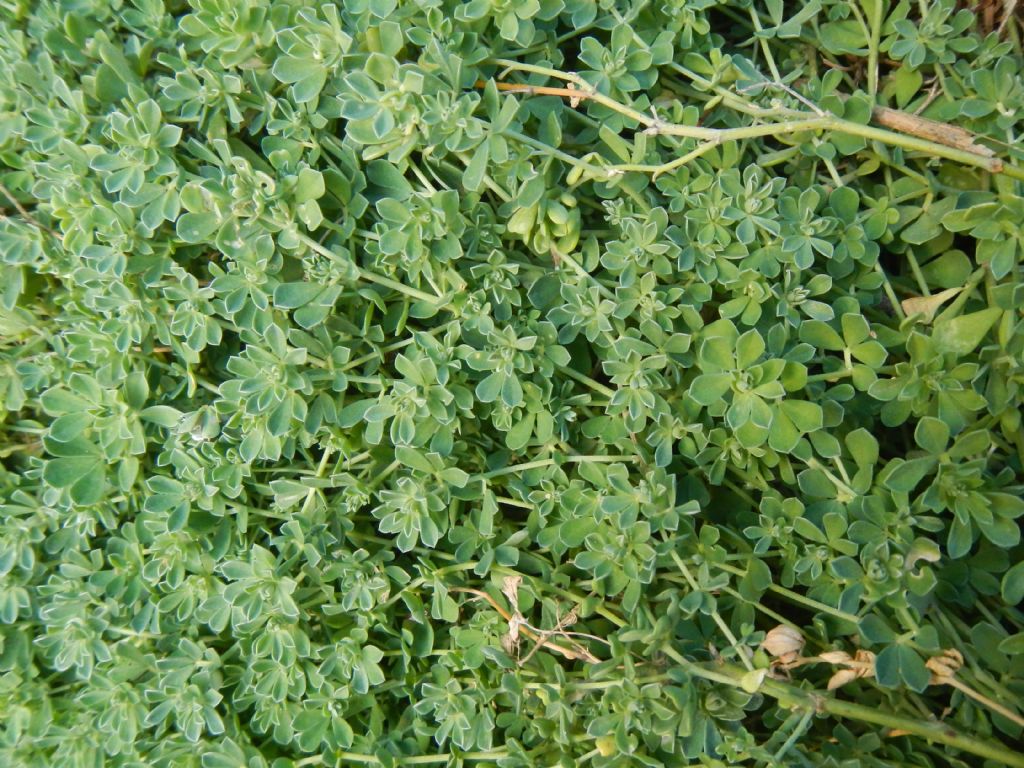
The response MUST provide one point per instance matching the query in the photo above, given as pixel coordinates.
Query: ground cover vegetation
(511, 383)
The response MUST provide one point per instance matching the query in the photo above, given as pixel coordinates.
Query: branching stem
(793, 697)
(798, 122)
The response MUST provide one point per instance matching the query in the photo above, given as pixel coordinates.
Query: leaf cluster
(402, 382)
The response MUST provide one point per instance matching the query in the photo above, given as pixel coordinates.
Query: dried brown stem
(565, 620)
(579, 654)
(930, 130)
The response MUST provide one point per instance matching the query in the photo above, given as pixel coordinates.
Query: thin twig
(565, 620)
(568, 653)
(1008, 11)
(933, 94)
(24, 213)
(932, 130)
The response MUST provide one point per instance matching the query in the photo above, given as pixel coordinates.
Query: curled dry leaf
(510, 644)
(842, 677)
(784, 643)
(945, 665)
(515, 621)
(865, 658)
(944, 668)
(835, 657)
(861, 664)
(574, 101)
(569, 618)
(510, 589)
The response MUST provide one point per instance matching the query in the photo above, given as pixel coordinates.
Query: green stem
(890, 293)
(722, 135)
(915, 144)
(979, 676)
(380, 352)
(758, 607)
(579, 270)
(839, 484)
(830, 377)
(582, 378)
(730, 99)
(19, 427)
(493, 754)
(793, 697)
(715, 615)
(958, 303)
(539, 463)
(922, 284)
(490, 183)
(385, 474)
(546, 149)
(597, 685)
(802, 121)
(801, 727)
(740, 492)
(658, 170)
(373, 277)
(796, 597)
(877, 14)
(575, 597)
(769, 59)
(939, 732)
(321, 468)
(417, 583)
(209, 386)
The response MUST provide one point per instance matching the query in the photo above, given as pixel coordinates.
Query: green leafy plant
(561, 382)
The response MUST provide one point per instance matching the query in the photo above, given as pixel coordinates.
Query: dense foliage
(510, 382)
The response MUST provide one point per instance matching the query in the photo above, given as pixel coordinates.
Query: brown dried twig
(565, 620)
(571, 92)
(930, 130)
(576, 653)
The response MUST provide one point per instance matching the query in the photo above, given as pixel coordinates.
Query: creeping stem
(579, 89)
